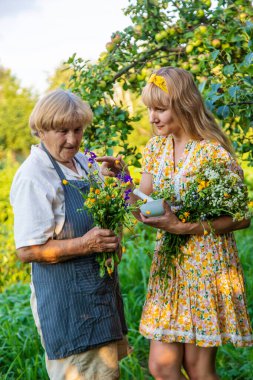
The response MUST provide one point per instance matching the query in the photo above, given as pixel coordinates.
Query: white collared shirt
(37, 198)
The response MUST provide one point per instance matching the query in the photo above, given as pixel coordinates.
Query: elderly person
(79, 315)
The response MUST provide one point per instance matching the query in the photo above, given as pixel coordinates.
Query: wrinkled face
(163, 121)
(63, 143)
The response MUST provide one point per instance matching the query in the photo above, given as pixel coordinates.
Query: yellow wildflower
(97, 191)
(186, 214)
(89, 165)
(226, 195)
(203, 185)
(65, 182)
(91, 189)
(148, 212)
(183, 220)
(117, 162)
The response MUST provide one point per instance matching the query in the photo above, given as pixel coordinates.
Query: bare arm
(221, 225)
(170, 223)
(56, 251)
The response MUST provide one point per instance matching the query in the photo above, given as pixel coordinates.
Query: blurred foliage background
(211, 39)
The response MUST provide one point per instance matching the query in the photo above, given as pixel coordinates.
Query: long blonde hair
(186, 103)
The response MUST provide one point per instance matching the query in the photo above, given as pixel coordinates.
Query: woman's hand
(100, 240)
(56, 251)
(167, 222)
(112, 166)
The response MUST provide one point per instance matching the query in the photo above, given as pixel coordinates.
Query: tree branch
(146, 57)
(239, 103)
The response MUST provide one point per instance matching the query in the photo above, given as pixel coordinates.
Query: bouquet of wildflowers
(107, 202)
(214, 191)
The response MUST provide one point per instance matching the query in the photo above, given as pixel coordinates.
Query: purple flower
(126, 194)
(124, 177)
(91, 154)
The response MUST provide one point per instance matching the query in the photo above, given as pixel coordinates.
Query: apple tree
(211, 39)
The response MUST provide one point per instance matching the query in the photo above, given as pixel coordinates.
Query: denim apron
(77, 309)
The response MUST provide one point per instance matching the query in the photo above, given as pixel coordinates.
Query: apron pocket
(88, 280)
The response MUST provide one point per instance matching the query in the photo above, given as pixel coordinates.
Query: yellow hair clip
(159, 81)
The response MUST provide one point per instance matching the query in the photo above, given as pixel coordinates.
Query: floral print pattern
(203, 300)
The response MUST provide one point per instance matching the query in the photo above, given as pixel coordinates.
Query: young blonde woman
(204, 305)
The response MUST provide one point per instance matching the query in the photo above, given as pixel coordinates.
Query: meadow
(22, 355)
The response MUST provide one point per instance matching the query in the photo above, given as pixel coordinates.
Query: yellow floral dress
(203, 301)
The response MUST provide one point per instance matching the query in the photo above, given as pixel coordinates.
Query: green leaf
(248, 81)
(125, 86)
(249, 28)
(202, 86)
(248, 59)
(109, 151)
(233, 91)
(214, 88)
(228, 57)
(229, 69)
(223, 111)
(99, 110)
(214, 55)
(214, 98)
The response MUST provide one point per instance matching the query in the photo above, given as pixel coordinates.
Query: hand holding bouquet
(214, 191)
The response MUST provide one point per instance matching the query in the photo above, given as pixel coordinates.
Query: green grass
(237, 363)
(21, 353)
(134, 272)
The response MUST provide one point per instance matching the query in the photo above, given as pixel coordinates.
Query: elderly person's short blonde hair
(57, 109)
